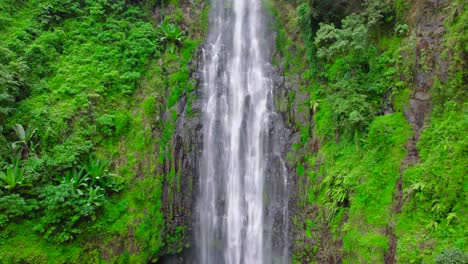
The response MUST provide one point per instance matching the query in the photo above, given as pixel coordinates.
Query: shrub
(401, 30)
(106, 124)
(68, 154)
(12, 206)
(351, 39)
(12, 177)
(54, 11)
(388, 132)
(13, 79)
(378, 12)
(451, 256)
(38, 58)
(77, 197)
(351, 112)
(63, 209)
(303, 17)
(170, 35)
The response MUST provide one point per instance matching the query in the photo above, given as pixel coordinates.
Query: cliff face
(352, 198)
(371, 128)
(353, 187)
(179, 193)
(186, 148)
(429, 32)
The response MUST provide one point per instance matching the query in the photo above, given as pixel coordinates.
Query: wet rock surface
(179, 202)
(179, 195)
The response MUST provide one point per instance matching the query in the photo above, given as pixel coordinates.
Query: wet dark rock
(179, 195)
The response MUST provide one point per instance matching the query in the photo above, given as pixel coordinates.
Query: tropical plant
(451, 256)
(97, 170)
(96, 167)
(170, 35)
(95, 196)
(78, 179)
(12, 177)
(24, 145)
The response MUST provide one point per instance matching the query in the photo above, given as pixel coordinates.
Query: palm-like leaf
(97, 170)
(95, 195)
(20, 132)
(12, 177)
(170, 35)
(21, 146)
(78, 179)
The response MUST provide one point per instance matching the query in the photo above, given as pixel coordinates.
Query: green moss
(401, 100)
(299, 169)
(435, 207)
(150, 106)
(26, 246)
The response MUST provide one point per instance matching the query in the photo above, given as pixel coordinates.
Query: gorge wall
(354, 190)
(372, 99)
(357, 138)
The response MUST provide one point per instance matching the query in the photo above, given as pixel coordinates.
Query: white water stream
(237, 95)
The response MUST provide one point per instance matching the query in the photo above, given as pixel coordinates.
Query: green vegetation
(83, 88)
(361, 67)
(170, 35)
(90, 95)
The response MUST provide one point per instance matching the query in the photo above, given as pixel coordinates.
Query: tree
(351, 39)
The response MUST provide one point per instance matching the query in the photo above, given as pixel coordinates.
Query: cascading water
(242, 201)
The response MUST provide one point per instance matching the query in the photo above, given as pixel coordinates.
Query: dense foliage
(89, 102)
(82, 90)
(360, 191)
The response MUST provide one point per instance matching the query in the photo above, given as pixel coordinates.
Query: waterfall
(242, 200)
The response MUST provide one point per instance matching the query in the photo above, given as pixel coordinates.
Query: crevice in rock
(429, 29)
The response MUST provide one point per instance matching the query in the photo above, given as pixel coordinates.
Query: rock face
(278, 176)
(282, 132)
(427, 66)
(179, 200)
(179, 195)
(290, 110)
